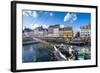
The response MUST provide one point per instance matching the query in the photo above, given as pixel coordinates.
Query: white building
(53, 30)
(85, 31)
(28, 32)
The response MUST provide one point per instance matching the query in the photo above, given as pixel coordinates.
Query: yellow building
(68, 32)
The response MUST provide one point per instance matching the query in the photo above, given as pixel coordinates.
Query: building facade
(61, 32)
(28, 32)
(85, 31)
(40, 32)
(68, 32)
(53, 30)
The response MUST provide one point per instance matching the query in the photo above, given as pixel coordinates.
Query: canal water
(36, 53)
(40, 52)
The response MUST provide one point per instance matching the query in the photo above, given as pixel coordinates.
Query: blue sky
(33, 19)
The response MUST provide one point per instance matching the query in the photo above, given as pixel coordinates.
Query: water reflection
(41, 52)
(35, 53)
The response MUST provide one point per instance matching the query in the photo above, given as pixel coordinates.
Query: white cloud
(24, 13)
(62, 26)
(74, 17)
(67, 17)
(45, 26)
(70, 17)
(51, 14)
(33, 26)
(30, 13)
(34, 14)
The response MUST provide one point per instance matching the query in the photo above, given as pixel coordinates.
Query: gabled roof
(27, 30)
(86, 27)
(55, 26)
(68, 28)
